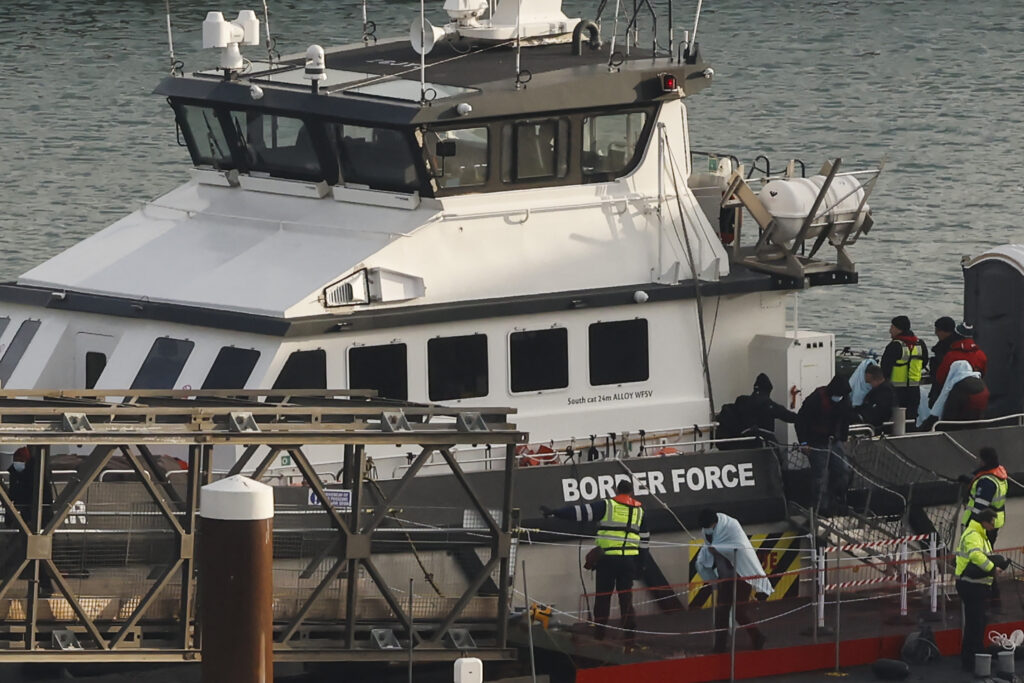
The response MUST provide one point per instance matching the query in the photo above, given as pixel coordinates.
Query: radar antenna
(270, 41)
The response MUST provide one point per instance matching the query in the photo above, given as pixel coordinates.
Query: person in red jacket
(962, 349)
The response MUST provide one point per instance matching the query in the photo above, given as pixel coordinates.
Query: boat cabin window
(457, 367)
(205, 137)
(383, 368)
(303, 370)
(539, 359)
(231, 368)
(95, 364)
(164, 363)
(611, 144)
(16, 349)
(531, 150)
(4, 322)
(458, 158)
(277, 145)
(618, 352)
(380, 158)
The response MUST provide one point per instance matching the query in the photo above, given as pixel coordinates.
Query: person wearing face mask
(728, 558)
(23, 473)
(822, 425)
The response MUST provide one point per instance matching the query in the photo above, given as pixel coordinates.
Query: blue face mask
(837, 399)
(19, 466)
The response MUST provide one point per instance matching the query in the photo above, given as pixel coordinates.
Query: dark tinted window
(95, 364)
(457, 367)
(458, 158)
(611, 143)
(539, 359)
(304, 370)
(231, 368)
(278, 145)
(205, 136)
(618, 352)
(16, 349)
(532, 150)
(4, 322)
(163, 365)
(379, 157)
(383, 368)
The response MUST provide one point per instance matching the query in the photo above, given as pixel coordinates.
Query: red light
(669, 82)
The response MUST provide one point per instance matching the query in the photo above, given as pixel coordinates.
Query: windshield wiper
(211, 138)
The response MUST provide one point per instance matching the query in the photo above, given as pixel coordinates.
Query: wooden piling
(236, 581)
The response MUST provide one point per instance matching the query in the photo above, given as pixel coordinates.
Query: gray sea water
(934, 86)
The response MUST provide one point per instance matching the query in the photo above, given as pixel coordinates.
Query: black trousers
(615, 575)
(725, 600)
(993, 534)
(974, 598)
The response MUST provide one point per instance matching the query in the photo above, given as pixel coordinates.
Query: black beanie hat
(901, 323)
(989, 457)
(707, 517)
(945, 324)
(762, 384)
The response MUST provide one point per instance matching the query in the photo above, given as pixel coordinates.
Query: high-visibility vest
(998, 502)
(907, 370)
(618, 532)
(974, 549)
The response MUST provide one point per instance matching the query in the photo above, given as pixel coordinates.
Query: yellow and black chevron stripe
(778, 552)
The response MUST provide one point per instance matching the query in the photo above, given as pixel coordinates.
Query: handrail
(1019, 417)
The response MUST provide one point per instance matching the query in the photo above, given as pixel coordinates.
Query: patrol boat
(502, 210)
(505, 209)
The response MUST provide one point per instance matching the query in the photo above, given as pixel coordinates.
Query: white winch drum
(790, 200)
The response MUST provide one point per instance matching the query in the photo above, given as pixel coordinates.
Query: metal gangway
(98, 568)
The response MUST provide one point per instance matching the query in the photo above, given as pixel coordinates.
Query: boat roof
(381, 82)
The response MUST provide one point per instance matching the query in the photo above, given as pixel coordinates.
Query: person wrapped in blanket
(728, 558)
(621, 546)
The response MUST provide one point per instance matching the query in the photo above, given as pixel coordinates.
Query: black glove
(964, 479)
(1000, 561)
(760, 597)
(546, 511)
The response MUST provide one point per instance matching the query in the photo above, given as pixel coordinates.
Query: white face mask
(837, 399)
(708, 532)
(19, 467)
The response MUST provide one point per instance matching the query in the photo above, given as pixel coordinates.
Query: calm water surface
(934, 86)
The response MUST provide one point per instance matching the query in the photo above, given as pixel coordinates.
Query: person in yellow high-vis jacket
(988, 486)
(622, 542)
(976, 566)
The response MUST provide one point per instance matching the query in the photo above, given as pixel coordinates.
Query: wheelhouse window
(16, 349)
(303, 370)
(457, 367)
(383, 368)
(380, 158)
(204, 136)
(164, 363)
(611, 144)
(539, 359)
(533, 150)
(277, 145)
(231, 368)
(619, 352)
(458, 158)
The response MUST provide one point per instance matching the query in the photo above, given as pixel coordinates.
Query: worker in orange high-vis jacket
(621, 546)
(988, 489)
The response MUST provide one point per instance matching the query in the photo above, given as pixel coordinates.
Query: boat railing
(1015, 420)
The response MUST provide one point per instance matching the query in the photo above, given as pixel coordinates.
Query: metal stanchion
(838, 599)
(236, 581)
(732, 620)
(903, 578)
(412, 638)
(933, 572)
(820, 622)
(529, 626)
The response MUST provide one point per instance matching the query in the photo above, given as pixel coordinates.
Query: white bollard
(982, 665)
(469, 670)
(1005, 665)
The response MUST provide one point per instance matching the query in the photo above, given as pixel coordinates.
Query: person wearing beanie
(962, 348)
(822, 426)
(903, 363)
(945, 331)
(759, 412)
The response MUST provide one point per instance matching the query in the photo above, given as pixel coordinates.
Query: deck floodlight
(228, 35)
